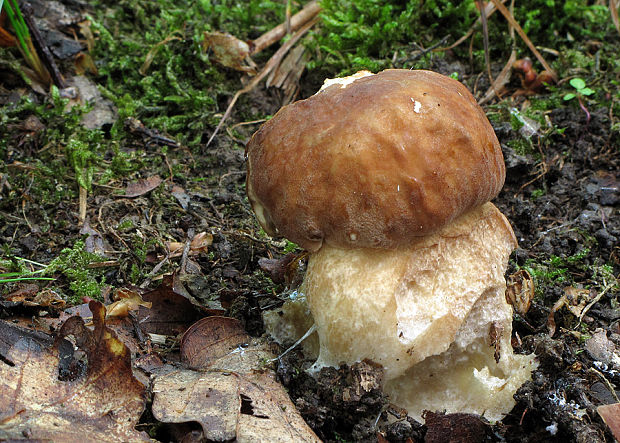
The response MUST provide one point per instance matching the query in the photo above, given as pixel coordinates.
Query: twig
(422, 51)
(485, 41)
(506, 13)
(296, 21)
(188, 244)
(488, 11)
(42, 48)
(613, 10)
(82, 204)
(155, 270)
(272, 63)
(500, 81)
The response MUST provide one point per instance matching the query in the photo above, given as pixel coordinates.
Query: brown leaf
(229, 51)
(11, 334)
(142, 186)
(289, 269)
(126, 300)
(199, 244)
(611, 416)
(94, 240)
(84, 63)
(574, 299)
(602, 349)
(30, 295)
(171, 311)
(210, 339)
(87, 33)
(25, 291)
(520, 291)
(237, 398)
(45, 398)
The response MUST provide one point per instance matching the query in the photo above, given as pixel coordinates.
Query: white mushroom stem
(433, 314)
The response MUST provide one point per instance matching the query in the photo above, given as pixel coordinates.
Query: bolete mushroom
(386, 180)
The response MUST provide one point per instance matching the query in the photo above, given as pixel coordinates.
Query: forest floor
(166, 209)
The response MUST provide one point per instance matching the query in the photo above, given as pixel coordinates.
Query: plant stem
(584, 109)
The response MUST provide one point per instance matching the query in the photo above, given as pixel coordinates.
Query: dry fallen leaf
(235, 396)
(45, 393)
(199, 244)
(223, 336)
(172, 309)
(574, 299)
(611, 416)
(141, 187)
(603, 349)
(126, 300)
(84, 63)
(229, 51)
(94, 240)
(520, 291)
(288, 268)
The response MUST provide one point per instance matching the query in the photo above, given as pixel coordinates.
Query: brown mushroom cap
(374, 163)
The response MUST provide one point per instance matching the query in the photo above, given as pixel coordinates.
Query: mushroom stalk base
(434, 315)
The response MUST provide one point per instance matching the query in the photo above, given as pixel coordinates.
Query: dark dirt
(561, 197)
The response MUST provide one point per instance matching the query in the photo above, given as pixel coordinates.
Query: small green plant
(581, 89)
(19, 271)
(25, 45)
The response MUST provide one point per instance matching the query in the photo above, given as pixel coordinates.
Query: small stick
(489, 9)
(506, 13)
(273, 62)
(41, 47)
(302, 17)
(485, 40)
(595, 301)
(82, 204)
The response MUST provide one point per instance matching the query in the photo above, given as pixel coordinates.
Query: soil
(561, 198)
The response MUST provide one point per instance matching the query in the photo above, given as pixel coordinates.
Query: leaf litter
(47, 394)
(577, 205)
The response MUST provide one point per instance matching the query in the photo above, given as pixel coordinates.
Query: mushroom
(386, 180)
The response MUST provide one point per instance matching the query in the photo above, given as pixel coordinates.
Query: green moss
(180, 90)
(521, 146)
(537, 193)
(565, 271)
(74, 264)
(368, 34)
